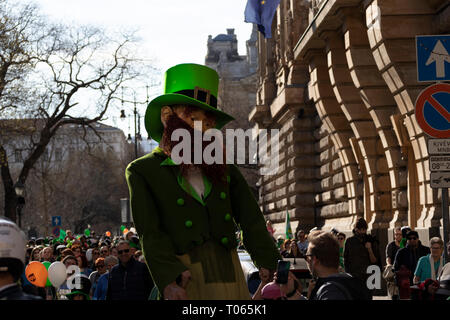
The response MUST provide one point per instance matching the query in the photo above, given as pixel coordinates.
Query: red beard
(215, 171)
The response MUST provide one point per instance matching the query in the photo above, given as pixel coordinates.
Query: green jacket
(171, 218)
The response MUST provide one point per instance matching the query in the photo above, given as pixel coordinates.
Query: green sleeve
(247, 214)
(156, 245)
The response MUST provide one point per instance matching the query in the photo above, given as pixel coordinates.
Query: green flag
(288, 226)
(87, 232)
(62, 234)
(122, 227)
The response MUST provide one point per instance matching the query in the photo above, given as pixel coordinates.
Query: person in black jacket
(361, 251)
(130, 279)
(322, 257)
(409, 255)
(12, 258)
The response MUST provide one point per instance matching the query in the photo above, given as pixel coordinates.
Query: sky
(171, 31)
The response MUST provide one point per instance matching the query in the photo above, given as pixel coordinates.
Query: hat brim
(78, 292)
(153, 123)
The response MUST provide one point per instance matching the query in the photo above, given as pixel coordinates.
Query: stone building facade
(339, 80)
(59, 183)
(237, 85)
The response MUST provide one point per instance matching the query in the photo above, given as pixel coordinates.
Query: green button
(227, 217)
(188, 223)
(223, 195)
(180, 201)
(224, 240)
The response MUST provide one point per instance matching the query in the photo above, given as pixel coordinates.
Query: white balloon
(89, 255)
(57, 273)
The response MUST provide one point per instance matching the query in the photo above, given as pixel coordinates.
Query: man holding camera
(361, 251)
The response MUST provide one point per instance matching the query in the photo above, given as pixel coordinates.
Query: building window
(18, 155)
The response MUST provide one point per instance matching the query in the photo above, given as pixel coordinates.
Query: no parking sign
(55, 231)
(433, 110)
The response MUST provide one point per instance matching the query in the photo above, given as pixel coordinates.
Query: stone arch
(331, 115)
(391, 27)
(380, 105)
(363, 128)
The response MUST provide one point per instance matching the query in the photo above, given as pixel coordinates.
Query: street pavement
(381, 298)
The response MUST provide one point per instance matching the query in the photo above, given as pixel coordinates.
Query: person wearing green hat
(81, 285)
(186, 214)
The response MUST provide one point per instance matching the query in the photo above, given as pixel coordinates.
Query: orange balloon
(36, 273)
(125, 230)
(108, 234)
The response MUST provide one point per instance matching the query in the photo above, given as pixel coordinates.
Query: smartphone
(282, 271)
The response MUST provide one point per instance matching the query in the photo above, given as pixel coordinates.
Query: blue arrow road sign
(56, 221)
(433, 58)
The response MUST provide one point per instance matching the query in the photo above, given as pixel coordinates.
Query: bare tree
(70, 75)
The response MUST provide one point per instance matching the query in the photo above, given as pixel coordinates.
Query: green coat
(171, 218)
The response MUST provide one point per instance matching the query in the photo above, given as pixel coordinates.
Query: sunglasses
(123, 251)
(412, 238)
(341, 238)
(100, 265)
(104, 251)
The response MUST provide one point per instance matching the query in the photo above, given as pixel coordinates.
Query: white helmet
(12, 247)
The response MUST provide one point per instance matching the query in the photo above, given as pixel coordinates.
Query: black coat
(132, 282)
(356, 257)
(408, 257)
(340, 286)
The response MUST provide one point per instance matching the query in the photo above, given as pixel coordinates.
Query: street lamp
(137, 129)
(19, 188)
(137, 124)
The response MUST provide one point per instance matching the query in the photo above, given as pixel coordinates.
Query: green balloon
(47, 264)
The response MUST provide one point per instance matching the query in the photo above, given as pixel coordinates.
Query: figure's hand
(368, 245)
(173, 291)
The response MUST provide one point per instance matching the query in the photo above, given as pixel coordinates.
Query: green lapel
(184, 184)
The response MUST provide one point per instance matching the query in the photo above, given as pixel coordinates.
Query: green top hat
(71, 294)
(190, 84)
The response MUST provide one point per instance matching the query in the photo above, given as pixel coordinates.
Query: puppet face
(188, 118)
(189, 114)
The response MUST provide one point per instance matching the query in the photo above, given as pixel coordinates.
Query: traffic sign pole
(445, 220)
(433, 116)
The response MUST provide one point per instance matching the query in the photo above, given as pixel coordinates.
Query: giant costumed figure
(186, 214)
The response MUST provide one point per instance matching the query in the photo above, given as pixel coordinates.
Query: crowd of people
(114, 268)
(97, 268)
(412, 270)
